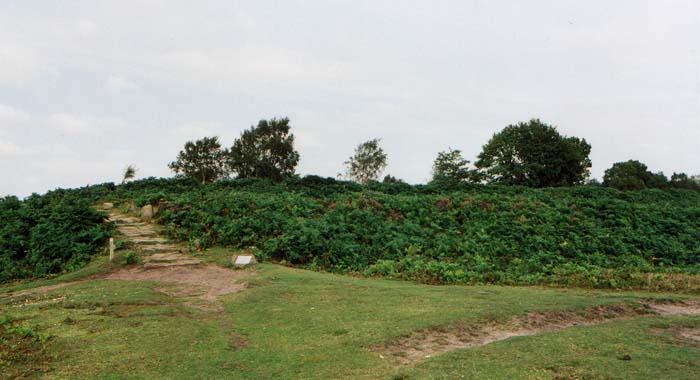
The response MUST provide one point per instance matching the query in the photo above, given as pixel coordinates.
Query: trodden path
(178, 273)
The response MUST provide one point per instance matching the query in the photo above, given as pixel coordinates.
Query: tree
(129, 173)
(367, 163)
(203, 160)
(628, 175)
(264, 151)
(390, 179)
(450, 167)
(657, 181)
(534, 154)
(684, 181)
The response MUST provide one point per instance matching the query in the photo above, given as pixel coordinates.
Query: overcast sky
(87, 87)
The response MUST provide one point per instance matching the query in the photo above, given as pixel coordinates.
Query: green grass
(295, 324)
(98, 265)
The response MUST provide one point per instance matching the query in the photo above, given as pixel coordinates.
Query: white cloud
(74, 124)
(116, 84)
(267, 64)
(77, 166)
(86, 27)
(9, 114)
(306, 139)
(196, 130)
(8, 149)
(18, 65)
(68, 123)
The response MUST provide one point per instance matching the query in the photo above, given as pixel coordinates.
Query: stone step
(178, 263)
(136, 231)
(158, 247)
(115, 216)
(130, 224)
(148, 240)
(124, 221)
(138, 234)
(170, 256)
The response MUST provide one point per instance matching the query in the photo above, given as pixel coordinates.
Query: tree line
(532, 154)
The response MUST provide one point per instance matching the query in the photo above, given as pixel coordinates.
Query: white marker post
(111, 249)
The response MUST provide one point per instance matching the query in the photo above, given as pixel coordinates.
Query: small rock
(625, 357)
(146, 213)
(107, 205)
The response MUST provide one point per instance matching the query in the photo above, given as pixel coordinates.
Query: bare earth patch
(670, 307)
(206, 282)
(423, 344)
(690, 334)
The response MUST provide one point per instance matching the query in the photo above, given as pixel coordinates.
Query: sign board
(243, 260)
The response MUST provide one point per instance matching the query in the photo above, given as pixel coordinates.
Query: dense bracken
(584, 235)
(46, 234)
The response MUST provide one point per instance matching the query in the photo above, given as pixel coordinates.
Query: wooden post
(111, 249)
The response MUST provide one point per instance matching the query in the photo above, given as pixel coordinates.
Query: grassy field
(295, 324)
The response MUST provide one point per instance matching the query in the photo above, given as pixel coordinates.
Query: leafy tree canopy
(367, 163)
(534, 154)
(634, 175)
(683, 181)
(391, 179)
(264, 151)
(202, 160)
(628, 175)
(450, 166)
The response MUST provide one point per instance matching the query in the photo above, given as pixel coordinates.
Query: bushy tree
(203, 160)
(264, 151)
(451, 167)
(367, 163)
(534, 154)
(629, 175)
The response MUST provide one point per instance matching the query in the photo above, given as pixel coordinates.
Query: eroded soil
(423, 344)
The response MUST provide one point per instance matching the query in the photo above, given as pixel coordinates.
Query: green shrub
(130, 258)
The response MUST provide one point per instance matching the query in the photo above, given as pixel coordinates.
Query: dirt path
(423, 344)
(181, 274)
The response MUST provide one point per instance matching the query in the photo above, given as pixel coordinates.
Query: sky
(89, 87)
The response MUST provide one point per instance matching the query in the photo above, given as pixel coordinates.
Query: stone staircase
(157, 251)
